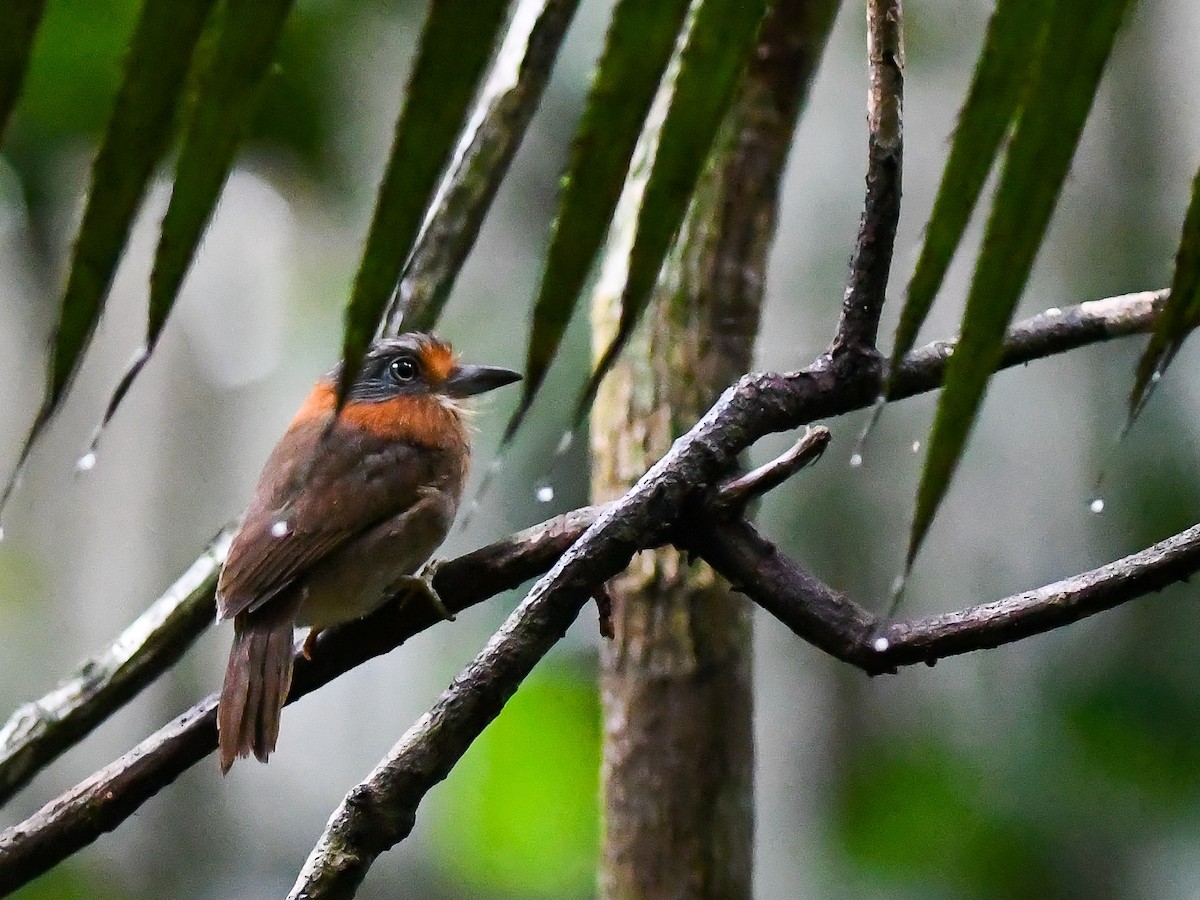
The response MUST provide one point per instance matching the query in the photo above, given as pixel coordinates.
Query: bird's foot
(422, 585)
(310, 641)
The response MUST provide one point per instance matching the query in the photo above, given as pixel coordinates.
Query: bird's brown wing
(314, 495)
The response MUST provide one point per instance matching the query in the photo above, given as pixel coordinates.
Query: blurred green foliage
(1139, 730)
(519, 815)
(292, 109)
(76, 68)
(69, 882)
(915, 812)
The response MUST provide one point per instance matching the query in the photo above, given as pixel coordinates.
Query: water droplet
(1156, 378)
(279, 529)
(1097, 505)
(1, 532)
(916, 447)
(1053, 311)
(897, 585)
(544, 494)
(881, 644)
(564, 443)
(86, 463)
(856, 460)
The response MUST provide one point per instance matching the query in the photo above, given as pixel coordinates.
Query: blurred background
(1067, 765)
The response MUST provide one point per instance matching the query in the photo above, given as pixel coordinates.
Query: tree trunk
(676, 687)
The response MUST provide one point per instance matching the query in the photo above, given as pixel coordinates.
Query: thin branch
(754, 406)
(834, 623)
(872, 259)
(41, 730)
(511, 94)
(106, 798)
(1057, 330)
(1041, 610)
(733, 496)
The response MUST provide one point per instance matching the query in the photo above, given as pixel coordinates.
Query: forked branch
(591, 545)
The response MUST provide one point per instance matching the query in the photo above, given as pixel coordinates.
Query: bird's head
(417, 364)
(409, 388)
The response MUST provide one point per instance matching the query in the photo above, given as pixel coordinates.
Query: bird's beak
(466, 381)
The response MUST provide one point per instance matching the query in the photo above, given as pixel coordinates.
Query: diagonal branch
(381, 811)
(38, 732)
(755, 405)
(824, 617)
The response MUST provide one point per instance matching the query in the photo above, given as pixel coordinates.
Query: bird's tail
(257, 679)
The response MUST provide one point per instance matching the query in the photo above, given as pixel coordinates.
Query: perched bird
(345, 512)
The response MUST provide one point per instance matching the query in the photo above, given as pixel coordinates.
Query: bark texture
(678, 761)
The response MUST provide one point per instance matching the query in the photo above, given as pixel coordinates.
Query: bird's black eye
(404, 369)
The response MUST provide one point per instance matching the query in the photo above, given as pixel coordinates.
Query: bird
(348, 507)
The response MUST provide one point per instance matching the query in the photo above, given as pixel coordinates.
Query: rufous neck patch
(421, 419)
